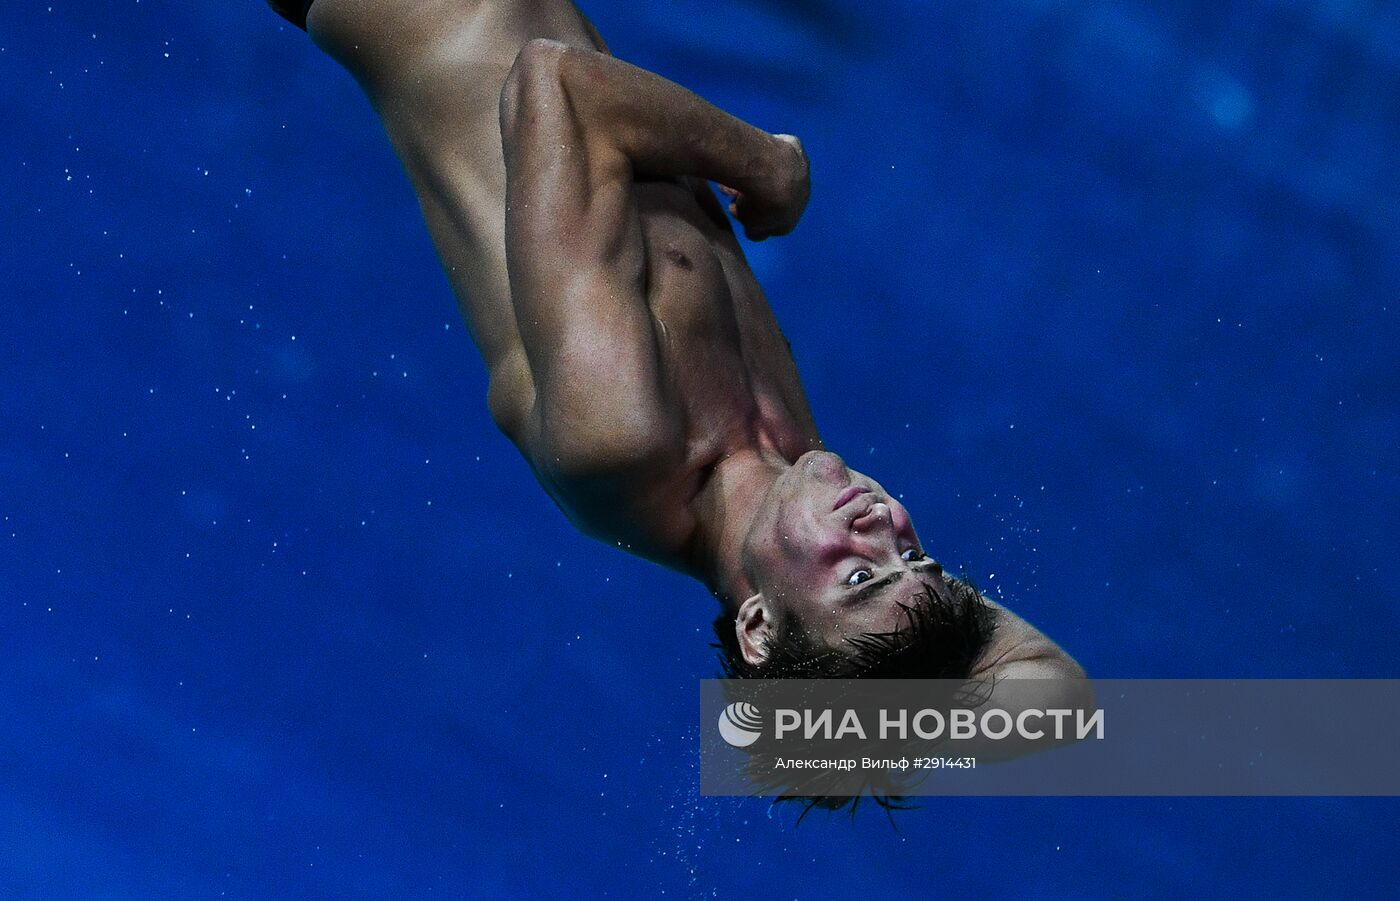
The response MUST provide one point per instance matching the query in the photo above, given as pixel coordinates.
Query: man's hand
(771, 204)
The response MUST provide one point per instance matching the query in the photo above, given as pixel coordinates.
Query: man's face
(831, 547)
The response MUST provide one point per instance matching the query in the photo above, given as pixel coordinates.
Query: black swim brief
(293, 11)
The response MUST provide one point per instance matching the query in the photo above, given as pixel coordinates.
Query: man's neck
(725, 509)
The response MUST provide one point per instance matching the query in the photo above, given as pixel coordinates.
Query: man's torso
(726, 366)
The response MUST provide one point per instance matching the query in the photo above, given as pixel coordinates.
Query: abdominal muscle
(727, 367)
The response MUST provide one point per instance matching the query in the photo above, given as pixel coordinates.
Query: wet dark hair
(941, 640)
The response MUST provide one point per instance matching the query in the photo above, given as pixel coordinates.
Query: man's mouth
(849, 495)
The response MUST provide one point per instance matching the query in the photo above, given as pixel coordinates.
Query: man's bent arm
(663, 130)
(1026, 671)
(577, 127)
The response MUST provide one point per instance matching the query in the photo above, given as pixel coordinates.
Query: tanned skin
(633, 358)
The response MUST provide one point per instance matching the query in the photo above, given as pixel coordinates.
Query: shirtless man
(633, 358)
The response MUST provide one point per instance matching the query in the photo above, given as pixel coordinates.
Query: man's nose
(877, 516)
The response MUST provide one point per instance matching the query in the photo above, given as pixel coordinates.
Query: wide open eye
(913, 555)
(859, 576)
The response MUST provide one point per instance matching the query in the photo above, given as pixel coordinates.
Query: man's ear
(755, 627)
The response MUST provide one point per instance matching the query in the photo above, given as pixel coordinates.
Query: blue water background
(1107, 291)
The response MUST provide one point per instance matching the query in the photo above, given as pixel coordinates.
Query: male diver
(633, 358)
